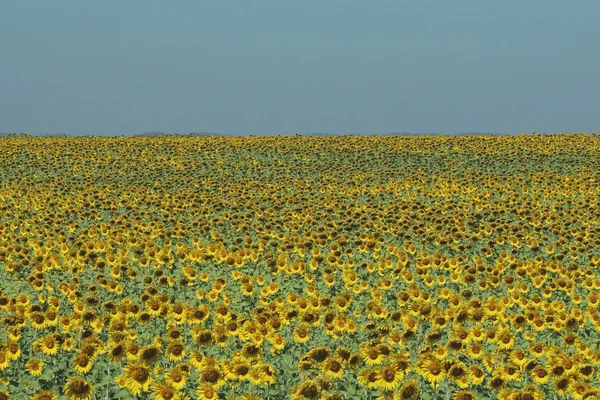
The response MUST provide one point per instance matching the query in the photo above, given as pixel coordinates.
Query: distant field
(427, 267)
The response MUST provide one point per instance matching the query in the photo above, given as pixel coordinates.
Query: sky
(281, 67)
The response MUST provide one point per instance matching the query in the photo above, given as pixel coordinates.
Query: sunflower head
(464, 395)
(206, 392)
(177, 377)
(35, 366)
(175, 350)
(204, 338)
(149, 354)
(562, 385)
(77, 388)
(307, 390)
(251, 351)
(410, 390)
(333, 367)
(212, 376)
(82, 363)
(44, 395)
(432, 370)
(162, 390)
(497, 383)
(137, 377)
(240, 370)
(319, 354)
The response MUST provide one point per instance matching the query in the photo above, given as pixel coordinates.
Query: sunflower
(177, 313)
(255, 377)
(562, 386)
(268, 373)
(4, 360)
(82, 364)
(206, 391)
(395, 337)
(196, 359)
(530, 365)
(458, 373)
(409, 391)
(505, 340)
(52, 316)
(510, 372)
(580, 391)
(301, 334)
(176, 377)
(212, 376)
(475, 350)
(538, 324)
(91, 346)
(540, 375)
(47, 345)
(464, 395)
(4, 395)
(389, 378)
(174, 333)
(209, 362)
(133, 351)
(185, 368)
(368, 377)
(45, 395)
(239, 370)
(162, 390)
(319, 354)
(144, 317)
(175, 350)
(137, 377)
(117, 352)
(440, 352)
(355, 360)
(461, 334)
(518, 357)
(531, 392)
(14, 333)
(324, 383)
(37, 320)
(35, 366)
(333, 367)
(476, 375)
(537, 349)
(154, 306)
(400, 361)
(305, 390)
(149, 354)
(251, 352)
(585, 371)
(497, 383)
(431, 370)
(77, 388)
(277, 342)
(371, 355)
(455, 346)
(204, 337)
(557, 369)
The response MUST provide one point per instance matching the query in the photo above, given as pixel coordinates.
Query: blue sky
(268, 67)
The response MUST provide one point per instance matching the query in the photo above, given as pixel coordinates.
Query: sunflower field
(295, 267)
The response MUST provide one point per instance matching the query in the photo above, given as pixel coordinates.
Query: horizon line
(217, 134)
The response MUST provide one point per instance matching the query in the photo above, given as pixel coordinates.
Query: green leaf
(104, 380)
(122, 394)
(47, 375)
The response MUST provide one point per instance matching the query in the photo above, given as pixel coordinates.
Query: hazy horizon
(269, 68)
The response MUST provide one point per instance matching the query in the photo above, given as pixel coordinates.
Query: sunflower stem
(108, 378)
